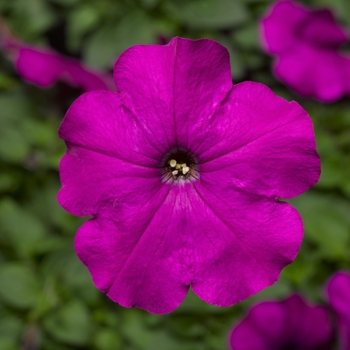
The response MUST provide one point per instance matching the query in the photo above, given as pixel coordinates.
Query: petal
(279, 27)
(310, 326)
(97, 121)
(139, 257)
(260, 143)
(40, 68)
(44, 68)
(170, 88)
(314, 72)
(322, 29)
(242, 242)
(295, 325)
(107, 160)
(255, 331)
(95, 183)
(338, 291)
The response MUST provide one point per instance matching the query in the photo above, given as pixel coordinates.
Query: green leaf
(21, 229)
(193, 304)
(14, 147)
(236, 62)
(71, 272)
(78, 278)
(19, 287)
(207, 14)
(39, 134)
(80, 21)
(70, 324)
(108, 339)
(8, 344)
(247, 37)
(29, 18)
(301, 270)
(326, 221)
(8, 180)
(183, 326)
(133, 324)
(107, 43)
(6, 82)
(149, 3)
(11, 328)
(67, 3)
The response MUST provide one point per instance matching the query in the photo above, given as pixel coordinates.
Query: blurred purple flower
(306, 46)
(291, 324)
(182, 172)
(44, 67)
(338, 291)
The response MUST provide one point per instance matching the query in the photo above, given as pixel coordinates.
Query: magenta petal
(262, 144)
(322, 29)
(98, 121)
(255, 331)
(290, 324)
(314, 73)
(338, 291)
(106, 161)
(44, 68)
(175, 88)
(309, 326)
(148, 267)
(278, 28)
(93, 182)
(242, 242)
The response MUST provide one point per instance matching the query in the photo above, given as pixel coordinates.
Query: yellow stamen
(185, 170)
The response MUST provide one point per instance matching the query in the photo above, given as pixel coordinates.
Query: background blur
(47, 299)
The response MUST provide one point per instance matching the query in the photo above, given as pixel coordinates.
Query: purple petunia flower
(291, 324)
(306, 46)
(182, 172)
(338, 291)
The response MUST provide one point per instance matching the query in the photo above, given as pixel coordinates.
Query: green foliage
(19, 286)
(69, 323)
(135, 27)
(47, 298)
(207, 14)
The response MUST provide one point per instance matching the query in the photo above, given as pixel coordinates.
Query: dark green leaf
(205, 14)
(19, 287)
(70, 324)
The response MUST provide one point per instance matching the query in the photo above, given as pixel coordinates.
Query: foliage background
(47, 299)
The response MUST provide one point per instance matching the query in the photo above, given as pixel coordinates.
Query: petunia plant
(182, 173)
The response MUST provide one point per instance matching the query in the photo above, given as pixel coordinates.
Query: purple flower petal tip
(44, 68)
(338, 293)
(306, 44)
(182, 173)
(289, 324)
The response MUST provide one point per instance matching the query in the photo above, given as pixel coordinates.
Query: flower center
(179, 164)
